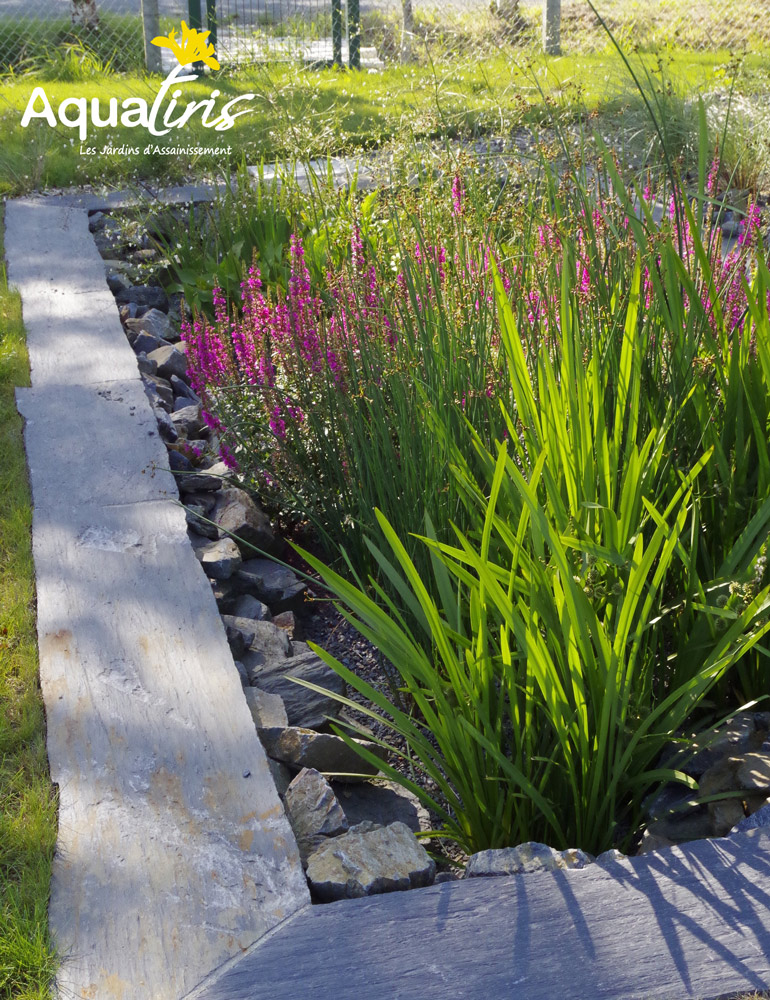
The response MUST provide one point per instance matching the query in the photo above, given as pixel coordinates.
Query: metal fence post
(337, 31)
(552, 27)
(211, 18)
(151, 29)
(354, 34)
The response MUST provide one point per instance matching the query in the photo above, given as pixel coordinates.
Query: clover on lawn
(192, 48)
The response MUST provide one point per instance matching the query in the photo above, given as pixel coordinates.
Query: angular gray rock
(244, 626)
(198, 482)
(219, 559)
(757, 820)
(183, 389)
(249, 607)
(304, 707)
(143, 295)
(267, 710)
(188, 421)
(369, 859)
(153, 322)
(157, 388)
(381, 802)
(282, 775)
(269, 644)
(314, 813)
(272, 583)
(238, 515)
(324, 752)
(166, 426)
(145, 366)
(523, 859)
(170, 362)
(146, 343)
(747, 731)
(195, 515)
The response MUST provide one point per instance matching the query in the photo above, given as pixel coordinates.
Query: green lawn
(300, 112)
(27, 800)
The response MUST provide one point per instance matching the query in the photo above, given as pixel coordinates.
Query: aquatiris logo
(165, 113)
(192, 48)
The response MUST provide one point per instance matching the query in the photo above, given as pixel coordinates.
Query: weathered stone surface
(246, 627)
(272, 583)
(220, 559)
(64, 294)
(166, 427)
(304, 707)
(145, 366)
(267, 710)
(146, 343)
(135, 471)
(187, 420)
(170, 362)
(281, 774)
(724, 777)
(747, 731)
(652, 843)
(153, 322)
(757, 821)
(754, 772)
(157, 387)
(198, 482)
(381, 802)
(196, 520)
(676, 816)
(237, 514)
(183, 389)
(369, 859)
(524, 859)
(268, 645)
(286, 621)
(313, 811)
(324, 752)
(143, 295)
(236, 643)
(247, 606)
(693, 922)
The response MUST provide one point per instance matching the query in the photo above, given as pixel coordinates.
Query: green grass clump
(27, 801)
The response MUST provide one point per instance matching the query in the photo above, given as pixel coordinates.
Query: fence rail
(116, 32)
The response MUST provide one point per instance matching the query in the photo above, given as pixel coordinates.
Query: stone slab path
(174, 853)
(176, 874)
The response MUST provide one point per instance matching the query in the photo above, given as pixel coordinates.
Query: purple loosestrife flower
(228, 458)
(277, 423)
(457, 196)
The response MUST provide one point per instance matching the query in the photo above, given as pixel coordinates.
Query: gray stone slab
(93, 445)
(74, 334)
(174, 852)
(690, 922)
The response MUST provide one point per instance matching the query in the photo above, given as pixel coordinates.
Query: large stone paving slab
(103, 441)
(173, 852)
(74, 334)
(690, 923)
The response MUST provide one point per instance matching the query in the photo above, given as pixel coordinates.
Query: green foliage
(567, 636)
(213, 244)
(58, 50)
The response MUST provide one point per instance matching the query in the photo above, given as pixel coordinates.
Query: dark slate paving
(686, 923)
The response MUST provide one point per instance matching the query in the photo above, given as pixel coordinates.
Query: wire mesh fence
(110, 32)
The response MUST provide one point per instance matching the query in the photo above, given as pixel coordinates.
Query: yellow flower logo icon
(192, 48)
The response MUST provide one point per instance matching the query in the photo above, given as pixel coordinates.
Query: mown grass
(299, 112)
(27, 802)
